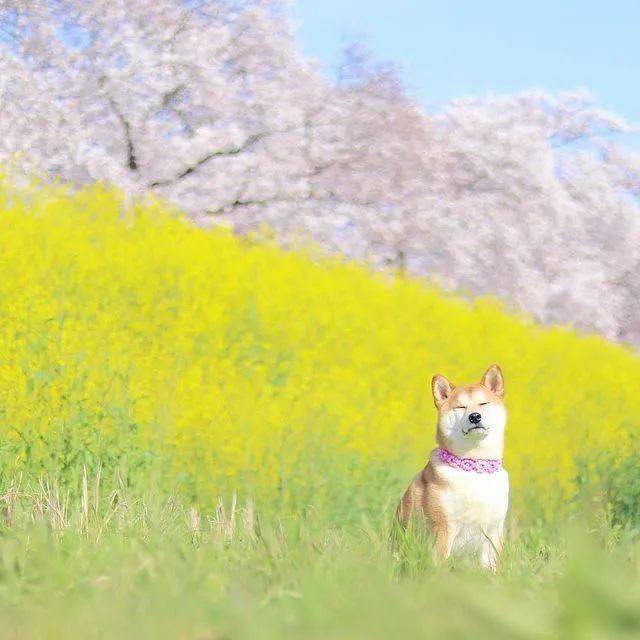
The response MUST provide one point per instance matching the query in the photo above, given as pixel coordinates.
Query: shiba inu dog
(462, 495)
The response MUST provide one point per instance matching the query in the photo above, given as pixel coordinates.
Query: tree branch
(132, 161)
(250, 141)
(239, 202)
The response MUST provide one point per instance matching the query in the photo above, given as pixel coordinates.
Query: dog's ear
(494, 380)
(441, 389)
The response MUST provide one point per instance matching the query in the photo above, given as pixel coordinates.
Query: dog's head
(472, 417)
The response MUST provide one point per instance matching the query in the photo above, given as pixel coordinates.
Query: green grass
(113, 564)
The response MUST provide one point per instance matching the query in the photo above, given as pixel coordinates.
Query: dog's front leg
(444, 537)
(491, 548)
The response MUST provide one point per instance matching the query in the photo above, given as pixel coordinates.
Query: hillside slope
(133, 341)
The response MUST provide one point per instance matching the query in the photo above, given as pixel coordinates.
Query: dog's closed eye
(483, 403)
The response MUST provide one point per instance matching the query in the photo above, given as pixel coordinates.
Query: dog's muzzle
(479, 429)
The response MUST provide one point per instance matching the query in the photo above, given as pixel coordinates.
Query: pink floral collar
(469, 464)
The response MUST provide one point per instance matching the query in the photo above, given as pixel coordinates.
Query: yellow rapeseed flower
(133, 339)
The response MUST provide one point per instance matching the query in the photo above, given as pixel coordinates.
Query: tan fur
(423, 498)
(458, 507)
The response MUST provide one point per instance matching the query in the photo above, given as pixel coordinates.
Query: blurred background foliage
(209, 104)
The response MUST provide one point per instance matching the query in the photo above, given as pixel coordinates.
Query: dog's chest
(477, 499)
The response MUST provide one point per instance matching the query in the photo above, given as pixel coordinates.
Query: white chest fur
(476, 505)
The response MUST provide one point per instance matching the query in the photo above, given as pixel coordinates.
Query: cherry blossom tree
(208, 104)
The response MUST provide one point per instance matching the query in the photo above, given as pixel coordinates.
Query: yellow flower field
(133, 341)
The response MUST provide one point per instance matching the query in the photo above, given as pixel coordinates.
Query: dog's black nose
(474, 418)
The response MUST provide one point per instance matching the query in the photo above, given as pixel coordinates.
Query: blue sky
(452, 48)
